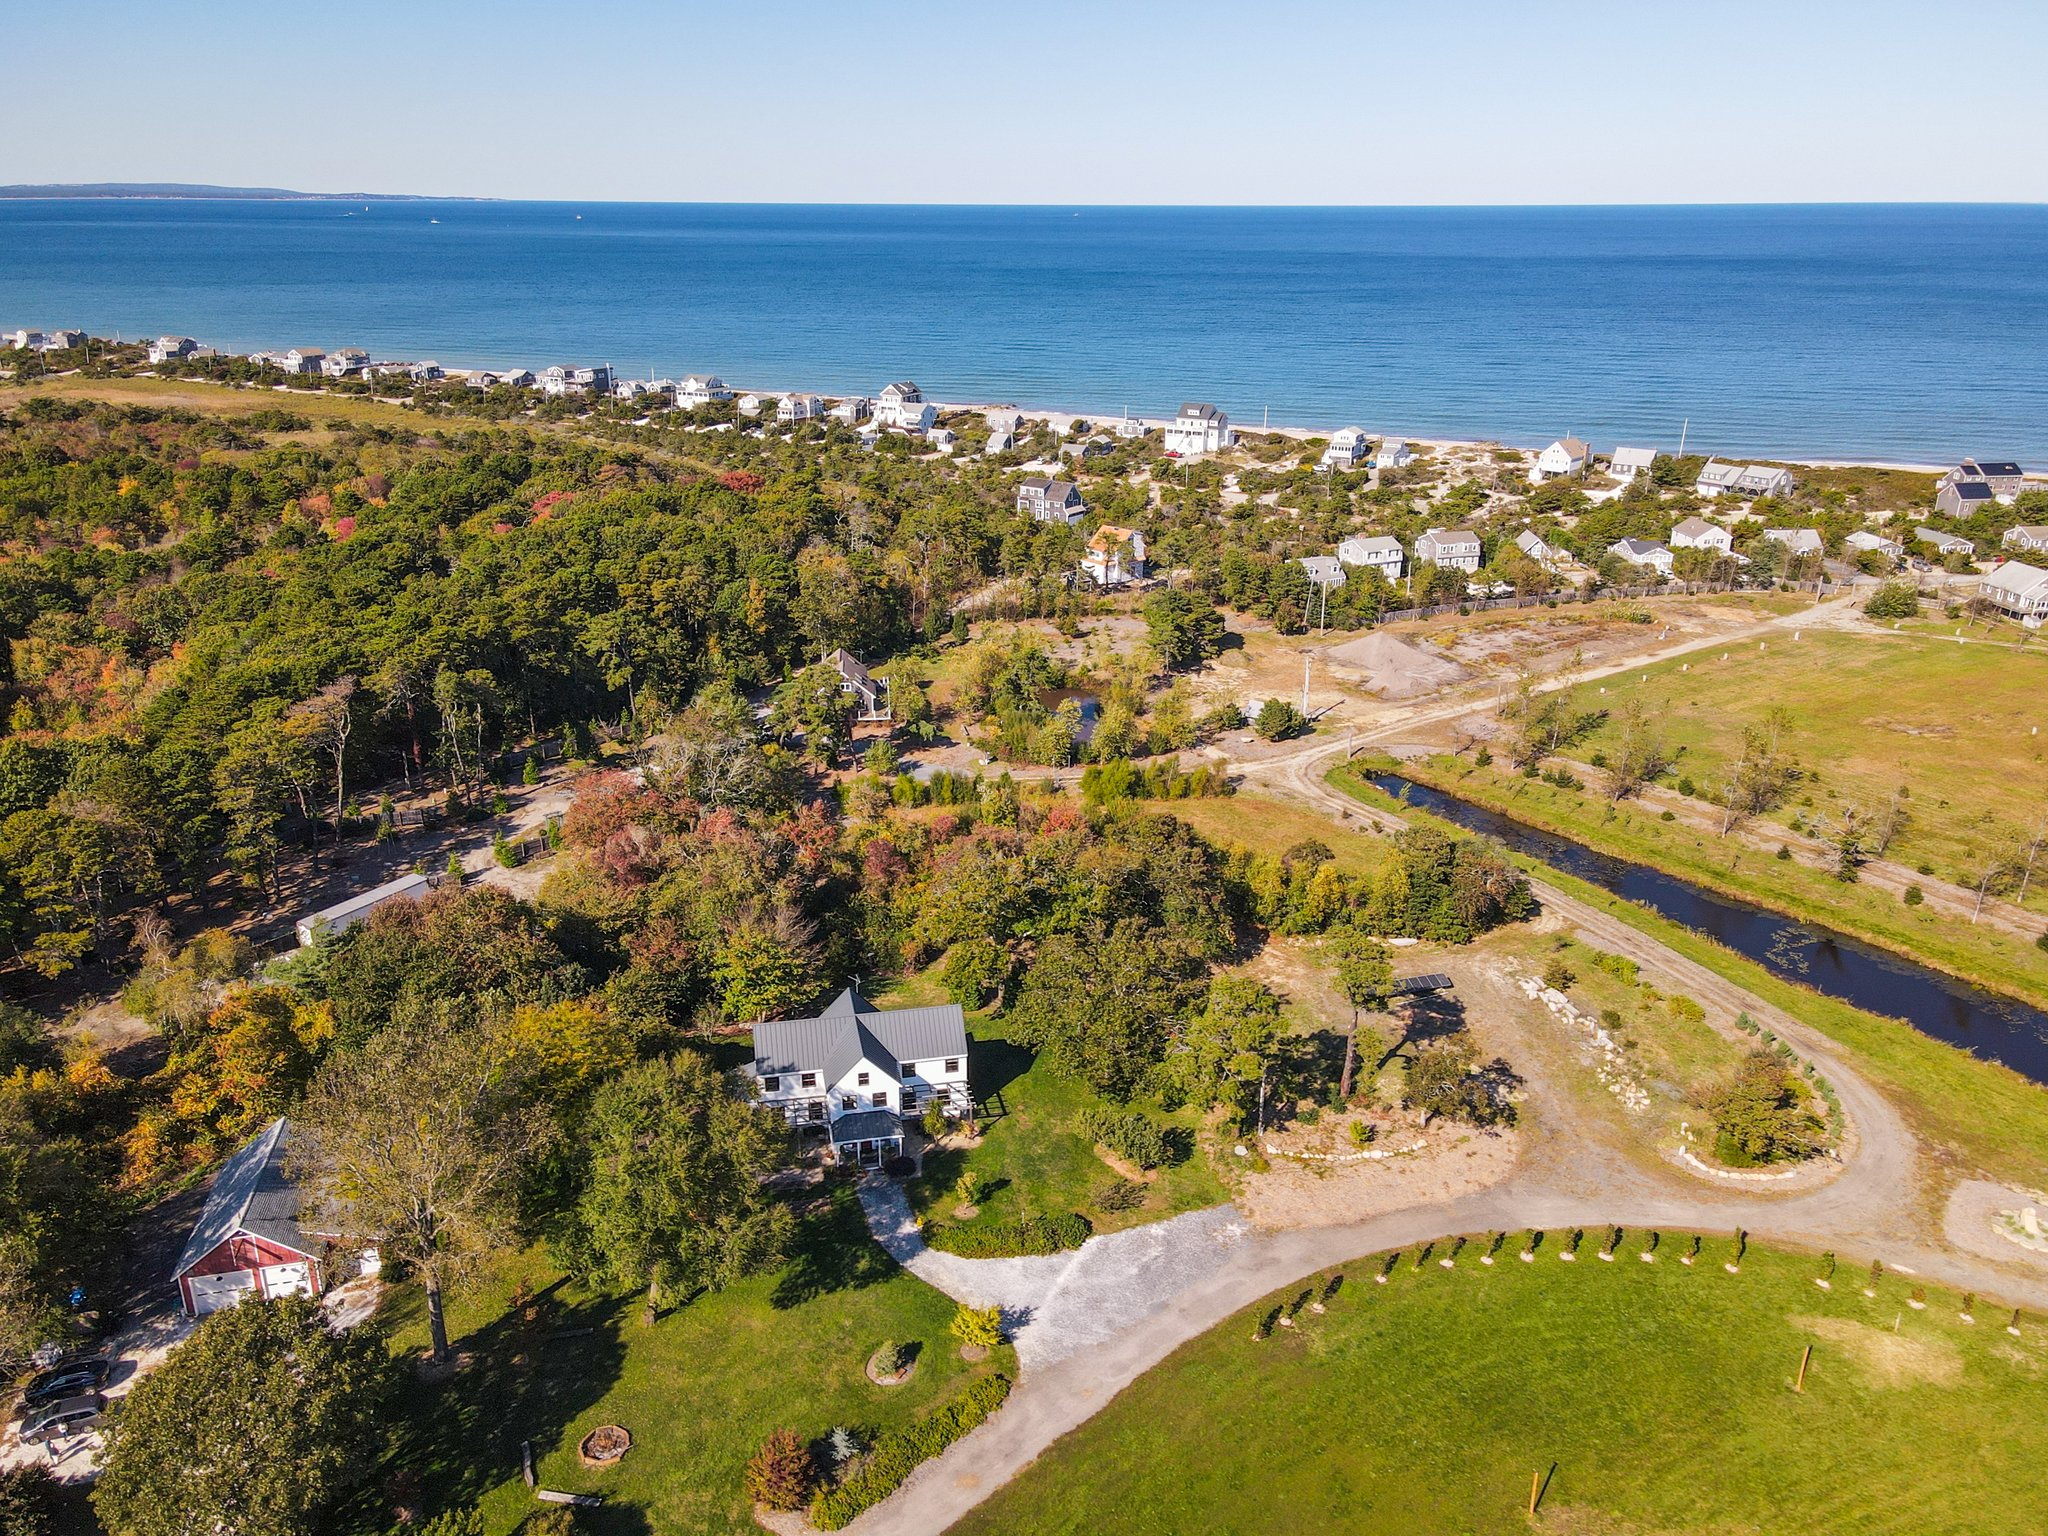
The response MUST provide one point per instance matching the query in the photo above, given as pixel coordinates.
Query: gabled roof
(1572, 446)
(1714, 472)
(849, 667)
(1444, 537)
(250, 1194)
(2001, 468)
(1634, 548)
(410, 884)
(2018, 578)
(1693, 527)
(1197, 410)
(852, 1028)
(1633, 458)
(1972, 490)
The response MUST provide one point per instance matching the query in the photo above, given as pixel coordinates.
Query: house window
(810, 1080)
(862, 1080)
(848, 1101)
(909, 1099)
(952, 1063)
(906, 1069)
(817, 1111)
(771, 1085)
(881, 1101)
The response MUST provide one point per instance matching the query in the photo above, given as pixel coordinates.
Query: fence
(1598, 594)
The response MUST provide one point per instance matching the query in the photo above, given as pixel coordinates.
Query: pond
(1998, 1028)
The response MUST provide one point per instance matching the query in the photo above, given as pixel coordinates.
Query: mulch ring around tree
(603, 1446)
(974, 1354)
(909, 1369)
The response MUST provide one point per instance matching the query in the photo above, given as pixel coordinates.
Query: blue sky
(1290, 101)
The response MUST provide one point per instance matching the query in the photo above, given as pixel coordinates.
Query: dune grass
(1653, 1397)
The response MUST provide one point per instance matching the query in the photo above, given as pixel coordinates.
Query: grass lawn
(1659, 1394)
(223, 400)
(1989, 956)
(1986, 1115)
(1272, 826)
(1868, 712)
(698, 1391)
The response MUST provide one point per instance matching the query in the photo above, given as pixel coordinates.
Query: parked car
(72, 1416)
(67, 1380)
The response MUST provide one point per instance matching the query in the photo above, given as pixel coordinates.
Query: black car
(68, 1380)
(72, 1416)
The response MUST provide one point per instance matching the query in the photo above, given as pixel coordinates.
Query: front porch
(867, 1138)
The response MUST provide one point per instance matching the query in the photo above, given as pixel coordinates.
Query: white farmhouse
(857, 1072)
(1377, 553)
(1698, 533)
(1199, 428)
(1455, 548)
(1566, 456)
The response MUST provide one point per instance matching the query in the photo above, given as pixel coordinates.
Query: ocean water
(1908, 333)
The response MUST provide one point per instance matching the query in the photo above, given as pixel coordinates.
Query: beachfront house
(63, 341)
(1943, 544)
(1539, 549)
(1002, 430)
(25, 340)
(1130, 426)
(1698, 533)
(249, 1240)
(903, 406)
(857, 1072)
(1764, 480)
(302, 360)
(2005, 478)
(791, 409)
(332, 922)
(1348, 449)
(424, 372)
(1392, 453)
(560, 380)
(2028, 538)
(1457, 548)
(169, 349)
(1965, 498)
(1115, 556)
(1647, 553)
(1715, 478)
(2020, 590)
(870, 694)
(1566, 456)
(1865, 542)
(1377, 553)
(345, 362)
(748, 405)
(1199, 428)
(1627, 463)
(700, 389)
(1797, 541)
(1051, 501)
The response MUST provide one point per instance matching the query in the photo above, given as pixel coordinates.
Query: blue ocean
(1910, 333)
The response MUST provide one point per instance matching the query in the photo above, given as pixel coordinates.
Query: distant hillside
(181, 189)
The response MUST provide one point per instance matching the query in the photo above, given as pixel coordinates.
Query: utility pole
(1683, 429)
(1304, 687)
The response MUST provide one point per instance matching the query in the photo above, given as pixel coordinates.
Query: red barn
(248, 1241)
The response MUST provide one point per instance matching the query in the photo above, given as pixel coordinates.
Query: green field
(1265, 825)
(1866, 713)
(1655, 1397)
(698, 1391)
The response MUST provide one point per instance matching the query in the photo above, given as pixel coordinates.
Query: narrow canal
(1983, 1023)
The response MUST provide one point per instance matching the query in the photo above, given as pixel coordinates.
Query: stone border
(1747, 1175)
(1369, 1155)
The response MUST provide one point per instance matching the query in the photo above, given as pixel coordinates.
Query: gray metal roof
(852, 1028)
(867, 1125)
(250, 1194)
(341, 913)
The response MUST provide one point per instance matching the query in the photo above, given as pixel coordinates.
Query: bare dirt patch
(1890, 1359)
(1457, 1161)
(1396, 669)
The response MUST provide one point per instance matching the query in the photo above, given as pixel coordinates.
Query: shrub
(29, 1503)
(1482, 758)
(1362, 1133)
(556, 1521)
(1119, 1195)
(1893, 600)
(898, 1453)
(1620, 967)
(1686, 786)
(1131, 1136)
(1557, 975)
(1024, 1236)
(530, 774)
(504, 852)
(1687, 1009)
(978, 1327)
(782, 1473)
(891, 1359)
(1914, 896)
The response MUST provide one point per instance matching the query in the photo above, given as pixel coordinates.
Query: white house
(870, 693)
(168, 349)
(1864, 539)
(1324, 570)
(2031, 538)
(1050, 500)
(943, 439)
(794, 408)
(1539, 549)
(851, 411)
(1347, 450)
(1566, 456)
(25, 340)
(1115, 556)
(857, 1071)
(1698, 533)
(1002, 430)
(1199, 428)
(1797, 541)
(1457, 548)
(63, 341)
(302, 360)
(345, 362)
(1647, 553)
(330, 922)
(1716, 477)
(1391, 454)
(1944, 543)
(2020, 590)
(1378, 553)
(1764, 480)
(748, 405)
(903, 405)
(1130, 426)
(1627, 463)
(700, 389)
(426, 372)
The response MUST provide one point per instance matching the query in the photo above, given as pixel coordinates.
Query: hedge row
(1011, 1239)
(898, 1453)
(1132, 1136)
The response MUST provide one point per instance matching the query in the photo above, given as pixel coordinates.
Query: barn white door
(287, 1280)
(212, 1292)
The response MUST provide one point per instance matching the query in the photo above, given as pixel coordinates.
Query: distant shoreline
(194, 192)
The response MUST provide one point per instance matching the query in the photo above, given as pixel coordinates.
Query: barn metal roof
(250, 1194)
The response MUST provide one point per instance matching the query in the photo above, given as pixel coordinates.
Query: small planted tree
(1969, 1312)
(1530, 1247)
(1692, 1250)
(1734, 1265)
(1918, 1300)
(843, 1443)
(1570, 1252)
(1876, 1274)
(1607, 1249)
(978, 1327)
(1649, 1253)
(782, 1473)
(1826, 1278)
